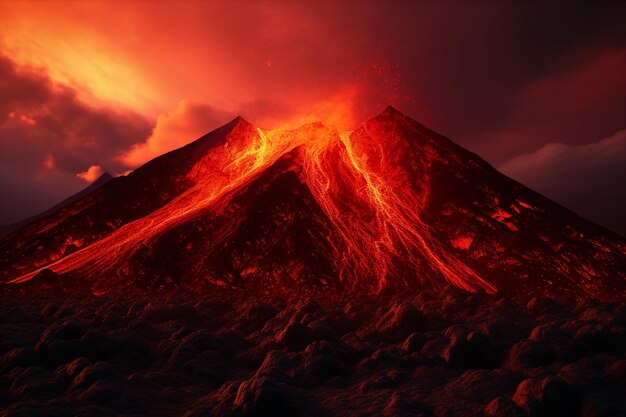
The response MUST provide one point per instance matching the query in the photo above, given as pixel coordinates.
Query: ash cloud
(48, 136)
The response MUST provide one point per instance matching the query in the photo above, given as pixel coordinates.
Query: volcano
(389, 207)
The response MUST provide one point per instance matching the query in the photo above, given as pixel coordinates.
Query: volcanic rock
(390, 207)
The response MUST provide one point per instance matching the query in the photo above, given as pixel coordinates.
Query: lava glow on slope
(355, 178)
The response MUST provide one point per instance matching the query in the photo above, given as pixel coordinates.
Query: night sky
(537, 89)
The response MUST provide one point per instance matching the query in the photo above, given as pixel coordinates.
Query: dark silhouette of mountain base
(103, 179)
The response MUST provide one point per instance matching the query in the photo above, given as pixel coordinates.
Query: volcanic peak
(391, 206)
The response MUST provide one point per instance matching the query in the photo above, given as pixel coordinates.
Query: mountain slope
(391, 206)
(123, 200)
(103, 179)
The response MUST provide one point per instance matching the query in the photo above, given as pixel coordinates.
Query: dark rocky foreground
(444, 354)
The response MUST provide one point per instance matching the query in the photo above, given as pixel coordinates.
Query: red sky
(88, 87)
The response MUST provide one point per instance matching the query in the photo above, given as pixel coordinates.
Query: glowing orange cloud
(121, 56)
(48, 163)
(59, 38)
(338, 110)
(22, 118)
(175, 129)
(92, 173)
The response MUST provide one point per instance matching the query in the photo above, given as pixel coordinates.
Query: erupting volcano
(391, 206)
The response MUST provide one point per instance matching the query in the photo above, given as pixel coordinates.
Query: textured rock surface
(434, 354)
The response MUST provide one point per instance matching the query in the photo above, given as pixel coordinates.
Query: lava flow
(313, 208)
(383, 232)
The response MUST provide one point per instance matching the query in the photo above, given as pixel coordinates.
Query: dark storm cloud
(574, 106)
(468, 64)
(48, 135)
(505, 79)
(589, 178)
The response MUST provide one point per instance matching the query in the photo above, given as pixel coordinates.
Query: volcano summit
(391, 206)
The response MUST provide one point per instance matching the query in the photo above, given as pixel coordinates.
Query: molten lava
(310, 207)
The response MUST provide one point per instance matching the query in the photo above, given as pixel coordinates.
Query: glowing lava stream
(246, 152)
(375, 214)
(396, 234)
